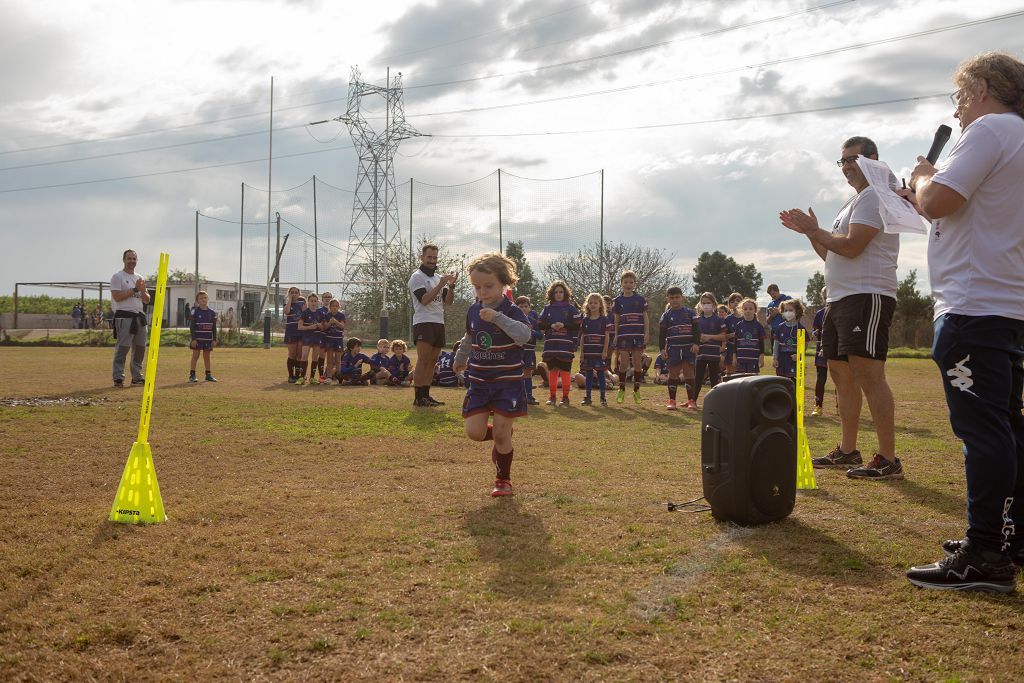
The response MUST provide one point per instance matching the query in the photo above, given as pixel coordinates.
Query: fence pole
(196, 295)
(501, 246)
(15, 305)
(316, 241)
(241, 244)
(412, 254)
(601, 280)
(277, 273)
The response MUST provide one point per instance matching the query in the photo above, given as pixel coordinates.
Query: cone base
(138, 498)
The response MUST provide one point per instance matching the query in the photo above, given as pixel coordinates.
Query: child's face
(675, 301)
(594, 305)
(723, 313)
(312, 302)
(628, 284)
(355, 349)
(382, 347)
(335, 307)
(707, 306)
(558, 294)
(399, 352)
(293, 292)
(487, 287)
(749, 311)
(202, 300)
(524, 307)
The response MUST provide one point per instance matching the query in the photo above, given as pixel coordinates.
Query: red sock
(502, 464)
(566, 381)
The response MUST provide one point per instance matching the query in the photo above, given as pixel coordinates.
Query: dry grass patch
(335, 533)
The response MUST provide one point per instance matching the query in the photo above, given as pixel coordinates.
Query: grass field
(335, 533)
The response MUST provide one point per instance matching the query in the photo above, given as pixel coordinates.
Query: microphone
(938, 142)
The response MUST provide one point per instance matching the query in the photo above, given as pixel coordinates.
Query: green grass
(335, 529)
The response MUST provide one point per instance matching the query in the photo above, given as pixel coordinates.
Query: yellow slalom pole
(138, 499)
(804, 467)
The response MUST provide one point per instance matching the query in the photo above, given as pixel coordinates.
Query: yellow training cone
(804, 468)
(138, 498)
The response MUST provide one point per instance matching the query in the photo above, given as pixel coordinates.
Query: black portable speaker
(748, 449)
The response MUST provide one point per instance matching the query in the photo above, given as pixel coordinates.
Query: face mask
(707, 308)
(789, 315)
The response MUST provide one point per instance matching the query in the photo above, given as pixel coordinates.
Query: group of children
(314, 333)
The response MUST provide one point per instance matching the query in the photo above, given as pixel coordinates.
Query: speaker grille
(773, 473)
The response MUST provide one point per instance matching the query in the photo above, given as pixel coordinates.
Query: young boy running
(630, 321)
(491, 353)
(204, 335)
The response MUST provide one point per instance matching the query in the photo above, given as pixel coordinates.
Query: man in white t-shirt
(976, 265)
(860, 275)
(430, 292)
(129, 297)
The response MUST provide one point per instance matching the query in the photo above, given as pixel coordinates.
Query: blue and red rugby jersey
(493, 355)
(819, 350)
(398, 367)
(592, 335)
(749, 343)
(631, 311)
(785, 338)
(560, 344)
(379, 360)
(203, 324)
(309, 317)
(350, 363)
(335, 333)
(677, 327)
(291, 321)
(444, 375)
(710, 325)
(535, 333)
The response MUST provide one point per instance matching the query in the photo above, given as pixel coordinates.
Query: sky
(708, 118)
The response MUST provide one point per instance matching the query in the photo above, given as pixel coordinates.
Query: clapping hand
(488, 314)
(140, 285)
(798, 221)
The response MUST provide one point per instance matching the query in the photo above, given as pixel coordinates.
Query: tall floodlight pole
(375, 203)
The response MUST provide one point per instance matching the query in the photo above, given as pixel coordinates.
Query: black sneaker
(1016, 554)
(878, 469)
(564, 402)
(211, 378)
(291, 379)
(119, 383)
(531, 401)
(586, 402)
(432, 402)
(968, 569)
(192, 378)
(604, 402)
(836, 458)
(138, 381)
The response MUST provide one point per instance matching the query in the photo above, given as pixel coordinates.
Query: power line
(160, 173)
(721, 72)
(632, 50)
(725, 119)
(150, 149)
(285, 220)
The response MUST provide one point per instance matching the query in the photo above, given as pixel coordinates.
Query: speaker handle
(716, 449)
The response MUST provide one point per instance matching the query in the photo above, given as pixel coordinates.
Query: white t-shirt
(873, 271)
(426, 313)
(976, 255)
(123, 282)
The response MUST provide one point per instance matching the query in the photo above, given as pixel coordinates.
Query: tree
(722, 275)
(815, 284)
(176, 275)
(586, 271)
(527, 285)
(912, 308)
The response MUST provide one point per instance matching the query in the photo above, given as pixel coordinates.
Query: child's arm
(607, 343)
(663, 339)
(647, 328)
(462, 356)
(516, 329)
(214, 330)
(615, 320)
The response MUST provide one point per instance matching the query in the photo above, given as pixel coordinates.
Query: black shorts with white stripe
(858, 325)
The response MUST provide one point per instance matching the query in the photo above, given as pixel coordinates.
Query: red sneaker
(691, 405)
(502, 487)
(671, 405)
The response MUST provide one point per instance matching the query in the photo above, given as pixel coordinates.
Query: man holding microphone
(976, 265)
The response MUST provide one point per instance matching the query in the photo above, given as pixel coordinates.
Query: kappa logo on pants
(961, 376)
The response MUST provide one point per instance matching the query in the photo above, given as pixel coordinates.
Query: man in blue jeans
(976, 264)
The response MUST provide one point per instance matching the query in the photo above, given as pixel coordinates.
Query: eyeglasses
(954, 97)
(847, 160)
